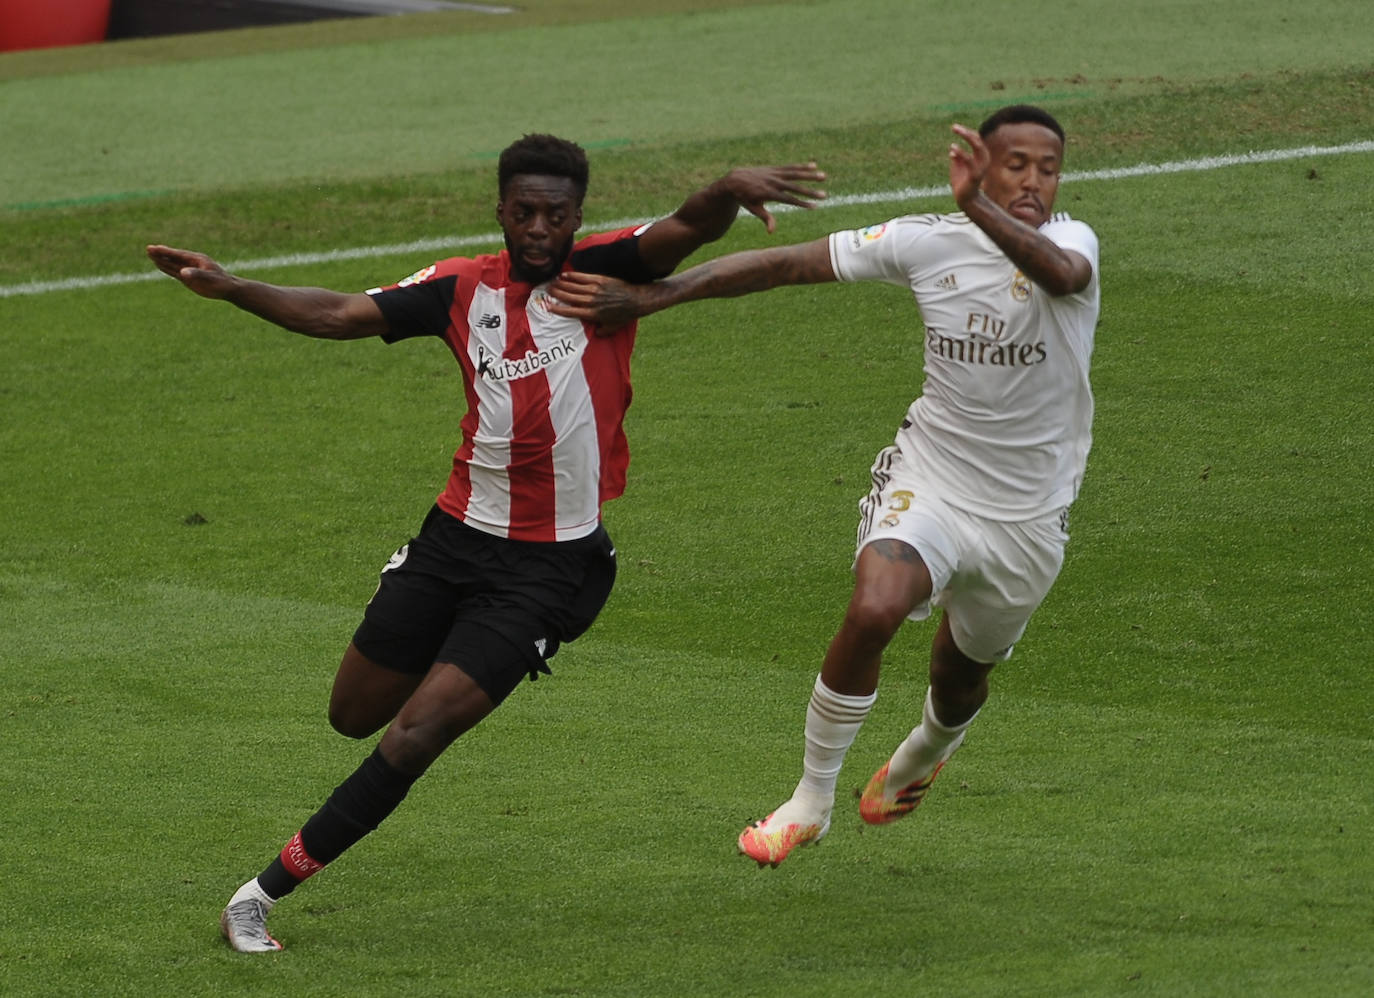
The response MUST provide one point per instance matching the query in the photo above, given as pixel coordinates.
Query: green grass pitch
(1169, 792)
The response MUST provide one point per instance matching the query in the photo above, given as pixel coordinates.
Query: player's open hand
(195, 270)
(967, 166)
(609, 303)
(754, 186)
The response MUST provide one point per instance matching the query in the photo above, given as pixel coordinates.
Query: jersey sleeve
(875, 253)
(1071, 234)
(1077, 237)
(419, 304)
(614, 254)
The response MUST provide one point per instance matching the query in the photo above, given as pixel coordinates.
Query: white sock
(929, 744)
(832, 722)
(252, 889)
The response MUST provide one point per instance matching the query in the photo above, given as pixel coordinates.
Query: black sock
(356, 807)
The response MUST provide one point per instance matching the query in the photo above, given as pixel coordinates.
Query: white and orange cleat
(877, 808)
(768, 842)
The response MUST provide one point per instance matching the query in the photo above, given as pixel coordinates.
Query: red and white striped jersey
(543, 441)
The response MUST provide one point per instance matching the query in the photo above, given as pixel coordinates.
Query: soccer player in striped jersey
(968, 509)
(513, 560)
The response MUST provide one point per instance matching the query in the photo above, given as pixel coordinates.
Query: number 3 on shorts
(398, 559)
(395, 561)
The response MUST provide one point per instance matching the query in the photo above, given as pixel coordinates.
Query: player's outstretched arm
(708, 214)
(611, 303)
(311, 311)
(1058, 271)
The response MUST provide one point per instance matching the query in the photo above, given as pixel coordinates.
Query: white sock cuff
(252, 889)
(929, 718)
(840, 706)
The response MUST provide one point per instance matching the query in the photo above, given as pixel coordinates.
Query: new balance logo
(947, 283)
(489, 320)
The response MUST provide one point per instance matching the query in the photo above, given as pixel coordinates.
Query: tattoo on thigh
(895, 551)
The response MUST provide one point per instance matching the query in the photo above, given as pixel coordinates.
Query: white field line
(494, 239)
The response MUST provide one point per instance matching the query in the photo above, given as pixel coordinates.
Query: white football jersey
(1004, 419)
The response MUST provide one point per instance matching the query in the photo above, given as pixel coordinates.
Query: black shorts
(496, 608)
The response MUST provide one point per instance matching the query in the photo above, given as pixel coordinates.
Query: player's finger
(159, 254)
(566, 293)
(572, 293)
(805, 195)
(570, 309)
(569, 296)
(581, 306)
(763, 215)
(168, 265)
(577, 279)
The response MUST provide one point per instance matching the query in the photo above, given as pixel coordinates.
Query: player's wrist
(663, 294)
(974, 202)
(234, 289)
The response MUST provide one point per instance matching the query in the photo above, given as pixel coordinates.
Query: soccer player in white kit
(968, 510)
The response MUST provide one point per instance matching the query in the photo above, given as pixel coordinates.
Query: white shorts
(987, 575)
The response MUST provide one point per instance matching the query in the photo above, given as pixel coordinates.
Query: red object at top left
(31, 24)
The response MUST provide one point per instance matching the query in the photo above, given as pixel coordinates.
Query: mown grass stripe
(878, 197)
(83, 201)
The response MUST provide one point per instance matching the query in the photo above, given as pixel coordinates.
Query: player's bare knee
(874, 618)
(411, 746)
(350, 722)
(352, 730)
(951, 669)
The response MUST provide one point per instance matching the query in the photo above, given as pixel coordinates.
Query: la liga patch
(419, 276)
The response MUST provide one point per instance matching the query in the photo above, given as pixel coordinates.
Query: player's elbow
(347, 318)
(1060, 288)
(333, 326)
(1069, 279)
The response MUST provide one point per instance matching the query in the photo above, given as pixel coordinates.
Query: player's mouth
(535, 265)
(1029, 209)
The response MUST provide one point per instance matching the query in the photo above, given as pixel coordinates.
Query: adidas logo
(947, 283)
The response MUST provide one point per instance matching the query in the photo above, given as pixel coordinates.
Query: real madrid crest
(1020, 287)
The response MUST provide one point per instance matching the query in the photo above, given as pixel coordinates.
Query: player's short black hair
(543, 155)
(1016, 114)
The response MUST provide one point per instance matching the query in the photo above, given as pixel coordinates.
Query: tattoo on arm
(1039, 257)
(754, 270)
